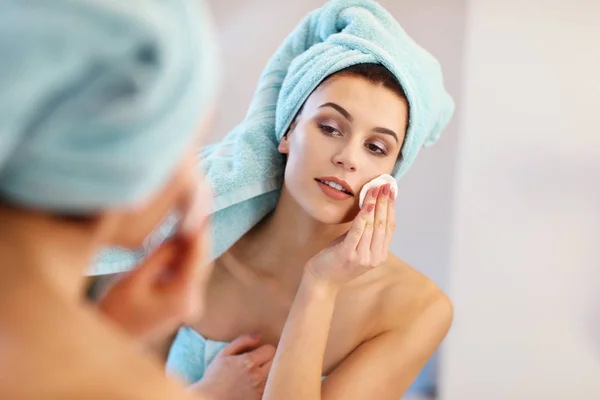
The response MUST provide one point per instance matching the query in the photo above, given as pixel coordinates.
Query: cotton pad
(379, 181)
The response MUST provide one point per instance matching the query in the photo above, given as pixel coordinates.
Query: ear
(284, 145)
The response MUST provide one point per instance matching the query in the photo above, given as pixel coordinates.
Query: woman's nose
(347, 157)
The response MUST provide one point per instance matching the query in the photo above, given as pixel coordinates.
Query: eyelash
(330, 131)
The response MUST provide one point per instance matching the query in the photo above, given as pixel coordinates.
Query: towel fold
(246, 170)
(99, 98)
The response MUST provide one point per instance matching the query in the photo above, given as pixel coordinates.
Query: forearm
(298, 363)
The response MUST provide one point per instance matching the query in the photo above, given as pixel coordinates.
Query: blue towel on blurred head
(98, 99)
(246, 170)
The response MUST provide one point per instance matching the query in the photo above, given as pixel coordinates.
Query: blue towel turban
(99, 98)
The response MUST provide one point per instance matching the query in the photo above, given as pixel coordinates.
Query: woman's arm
(60, 349)
(381, 368)
(297, 366)
(298, 362)
(384, 367)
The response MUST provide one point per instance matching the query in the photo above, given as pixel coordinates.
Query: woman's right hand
(238, 372)
(363, 247)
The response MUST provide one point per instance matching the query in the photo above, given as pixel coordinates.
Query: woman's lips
(333, 193)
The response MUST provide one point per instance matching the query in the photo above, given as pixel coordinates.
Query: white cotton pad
(379, 181)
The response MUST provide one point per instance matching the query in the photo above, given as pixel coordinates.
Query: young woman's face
(349, 132)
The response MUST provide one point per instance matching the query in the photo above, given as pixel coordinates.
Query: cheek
(302, 163)
(310, 146)
(148, 219)
(376, 165)
(141, 223)
(388, 165)
(300, 144)
(299, 152)
(374, 169)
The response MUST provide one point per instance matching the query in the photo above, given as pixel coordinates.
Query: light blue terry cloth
(191, 354)
(99, 98)
(246, 170)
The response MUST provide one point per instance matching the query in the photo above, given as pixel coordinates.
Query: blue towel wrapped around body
(245, 169)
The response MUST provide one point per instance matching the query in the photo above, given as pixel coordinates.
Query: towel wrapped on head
(246, 170)
(98, 98)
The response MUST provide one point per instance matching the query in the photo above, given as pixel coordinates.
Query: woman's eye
(329, 130)
(376, 149)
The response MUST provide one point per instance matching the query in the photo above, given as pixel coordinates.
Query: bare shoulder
(52, 344)
(409, 299)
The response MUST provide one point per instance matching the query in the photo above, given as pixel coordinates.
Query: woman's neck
(284, 241)
(38, 249)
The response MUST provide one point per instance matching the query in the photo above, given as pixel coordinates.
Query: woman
(100, 110)
(346, 98)
(369, 330)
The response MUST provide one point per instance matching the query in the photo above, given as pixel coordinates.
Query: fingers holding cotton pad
(379, 181)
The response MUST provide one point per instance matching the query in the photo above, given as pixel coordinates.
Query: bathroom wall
(525, 271)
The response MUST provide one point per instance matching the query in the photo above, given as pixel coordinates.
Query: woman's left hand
(363, 247)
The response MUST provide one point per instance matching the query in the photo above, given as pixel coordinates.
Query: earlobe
(284, 145)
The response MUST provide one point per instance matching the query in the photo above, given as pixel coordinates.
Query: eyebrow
(339, 109)
(347, 115)
(386, 131)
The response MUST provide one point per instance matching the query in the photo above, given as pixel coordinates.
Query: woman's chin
(332, 214)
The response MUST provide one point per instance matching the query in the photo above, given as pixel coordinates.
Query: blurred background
(503, 213)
